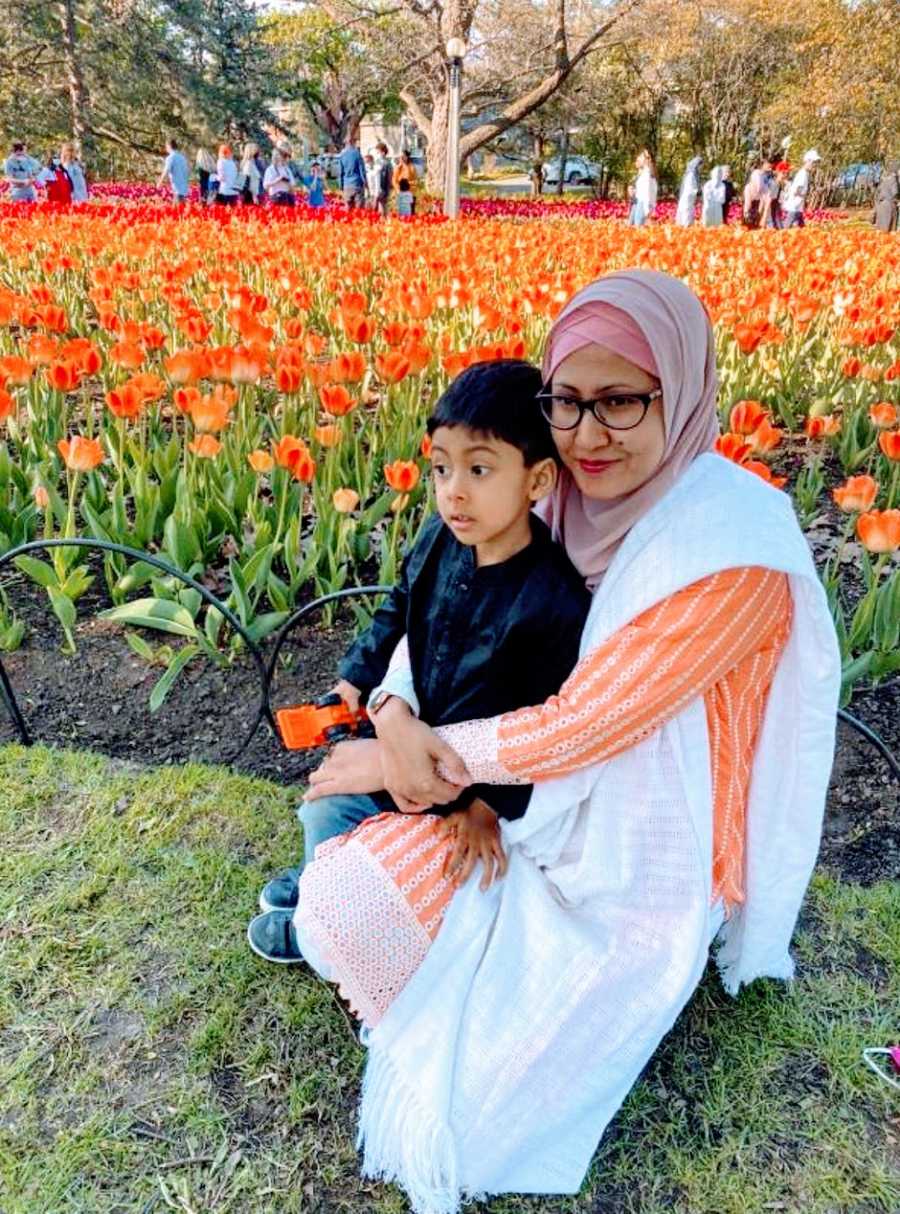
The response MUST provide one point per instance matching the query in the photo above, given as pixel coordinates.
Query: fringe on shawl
(732, 965)
(403, 1142)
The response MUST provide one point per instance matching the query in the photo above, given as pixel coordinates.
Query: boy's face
(484, 490)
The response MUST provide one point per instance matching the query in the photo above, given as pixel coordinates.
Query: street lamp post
(456, 49)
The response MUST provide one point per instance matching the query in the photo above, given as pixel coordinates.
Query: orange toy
(325, 720)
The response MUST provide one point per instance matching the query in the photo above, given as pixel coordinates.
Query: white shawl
(500, 1064)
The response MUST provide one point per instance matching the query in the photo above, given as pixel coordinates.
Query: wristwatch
(378, 702)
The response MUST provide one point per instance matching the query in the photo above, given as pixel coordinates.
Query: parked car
(858, 176)
(579, 171)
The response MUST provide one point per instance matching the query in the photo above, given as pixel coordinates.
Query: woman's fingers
(502, 858)
(452, 768)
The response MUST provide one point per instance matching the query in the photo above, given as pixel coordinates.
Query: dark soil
(98, 700)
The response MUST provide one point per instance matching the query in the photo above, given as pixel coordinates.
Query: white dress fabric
(713, 200)
(687, 194)
(500, 1064)
(644, 198)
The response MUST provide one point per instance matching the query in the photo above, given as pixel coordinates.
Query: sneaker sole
(265, 905)
(268, 957)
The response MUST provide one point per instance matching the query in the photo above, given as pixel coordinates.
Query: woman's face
(607, 463)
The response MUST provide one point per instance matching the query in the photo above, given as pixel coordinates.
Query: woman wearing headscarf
(687, 195)
(644, 190)
(680, 778)
(714, 199)
(885, 217)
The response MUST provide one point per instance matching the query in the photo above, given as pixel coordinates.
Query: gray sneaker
(272, 937)
(281, 893)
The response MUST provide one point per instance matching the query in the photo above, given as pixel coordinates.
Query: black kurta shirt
(482, 640)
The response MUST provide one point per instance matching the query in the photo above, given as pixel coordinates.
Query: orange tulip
(126, 402)
(762, 470)
(327, 436)
(183, 367)
(851, 367)
(210, 414)
(765, 437)
(7, 405)
(822, 427)
(746, 416)
(260, 461)
(41, 349)
(80, 454)
(733, 447)
(205, 446)
(41, 497)
(127, 354)
(304, 468)
(883, 415)
(395, 333)
(345, 500)
(425, 448)
(349, 367)
(288, 451)
(402, 475)
(62, 376)
(288, 379)
(360, 329)
(889, 442)
(336, 400)
(857, 493)
(185, 399)
(15, 370)
(392, 367)
(879, 530)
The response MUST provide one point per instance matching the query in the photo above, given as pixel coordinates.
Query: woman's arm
(624, 690)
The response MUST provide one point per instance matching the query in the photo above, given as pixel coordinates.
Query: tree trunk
(79, 99)
(563, 158)
(436, 172)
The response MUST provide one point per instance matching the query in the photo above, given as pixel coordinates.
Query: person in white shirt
(372, 181)
(250, 176)
(687, 194)
(21, 171)
(279, 182)
(714, 199)
(794, 205)
(175, 170)
(644, 201)
(75, 169)
(229, 182)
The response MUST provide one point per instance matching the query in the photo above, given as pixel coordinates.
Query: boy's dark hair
(404, 185)
(498, 398)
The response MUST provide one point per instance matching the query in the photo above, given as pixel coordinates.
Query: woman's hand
(348, 693)
(410, 753)
(353, 767)
(476, 836)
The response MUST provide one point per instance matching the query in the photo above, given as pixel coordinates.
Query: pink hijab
(659, 324)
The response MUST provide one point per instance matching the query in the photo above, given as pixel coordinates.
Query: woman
(885, 217)
(687, 194)
(228, 189)
(250, 176)
(644, 194)
(680, 778)
(713, 199)
(75, 172)
(206, 167)
(279, 182)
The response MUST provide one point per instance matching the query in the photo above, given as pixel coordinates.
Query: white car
(579, 171)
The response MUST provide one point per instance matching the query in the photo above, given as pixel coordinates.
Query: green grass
(138, 1033)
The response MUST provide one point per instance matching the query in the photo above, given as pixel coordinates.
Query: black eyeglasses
(618, 411)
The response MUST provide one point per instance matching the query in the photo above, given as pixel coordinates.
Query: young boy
(406, 199)
(492, 608)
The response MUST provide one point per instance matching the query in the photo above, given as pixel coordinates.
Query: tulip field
(245, 394)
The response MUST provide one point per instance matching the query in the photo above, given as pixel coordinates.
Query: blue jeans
(332, 816)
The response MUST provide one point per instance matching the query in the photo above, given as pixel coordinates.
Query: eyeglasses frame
(646, 398)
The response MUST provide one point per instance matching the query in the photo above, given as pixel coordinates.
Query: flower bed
(244, 392)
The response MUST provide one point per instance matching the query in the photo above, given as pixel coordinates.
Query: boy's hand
(348, 693)
(476, 836)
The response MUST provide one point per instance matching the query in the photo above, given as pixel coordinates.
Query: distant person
(73, 166)
(205, 165)
(777, 189)
(755, 193)
(175, 170)
(643, 202)
(250, 177)
(886, 196)
(686, 210)
(352, 175)
(228, 190)
(713, 199)
(56, 182)
(279, 182)
(371, 181)
(21, 171)
(385, 178)
(406, 199)
(315, 186)
(794, 204)
(405, 170)
(730, 191)
(536, 179)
